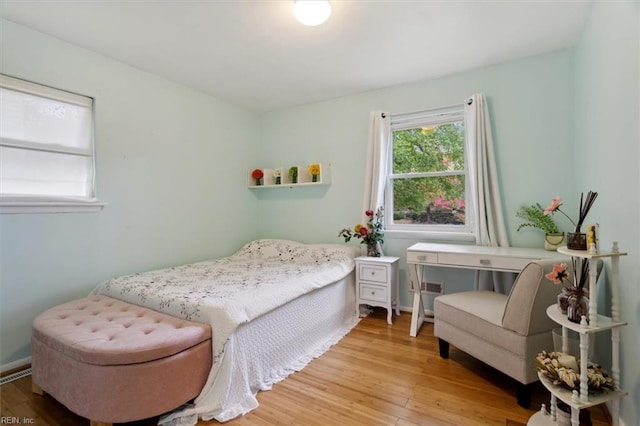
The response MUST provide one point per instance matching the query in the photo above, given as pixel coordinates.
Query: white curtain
(378, 151)
(485, 191)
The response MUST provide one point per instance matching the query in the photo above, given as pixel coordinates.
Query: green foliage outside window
(436, 198)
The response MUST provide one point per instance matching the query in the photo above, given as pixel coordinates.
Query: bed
(273, 306)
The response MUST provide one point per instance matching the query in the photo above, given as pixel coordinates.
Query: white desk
(509, 259)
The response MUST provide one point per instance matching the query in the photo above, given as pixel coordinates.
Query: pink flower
(555, 203)
(363, 231)
(558, 274)
(441, 202)
(555, 207)
(369, 213)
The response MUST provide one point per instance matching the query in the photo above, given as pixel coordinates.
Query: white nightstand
(377, 283)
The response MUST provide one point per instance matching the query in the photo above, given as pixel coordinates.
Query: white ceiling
(254, 54)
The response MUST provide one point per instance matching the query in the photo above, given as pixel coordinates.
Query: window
(46, 148)
(427, 188)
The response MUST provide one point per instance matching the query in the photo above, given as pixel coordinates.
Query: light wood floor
(376, 375)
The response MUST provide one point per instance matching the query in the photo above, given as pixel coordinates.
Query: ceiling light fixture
(312, 12)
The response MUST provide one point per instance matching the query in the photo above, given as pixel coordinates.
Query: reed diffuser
(576, 240)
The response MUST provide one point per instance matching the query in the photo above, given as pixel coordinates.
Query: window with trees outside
(46, 148)
(428, 176)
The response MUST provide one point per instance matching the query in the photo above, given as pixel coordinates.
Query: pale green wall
(171, 163)
(607, 141)
(531, 102)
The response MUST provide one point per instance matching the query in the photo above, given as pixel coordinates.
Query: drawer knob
(373, 273)
(485, 261)
(373, 293)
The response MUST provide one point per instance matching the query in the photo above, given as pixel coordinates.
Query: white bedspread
(228, 292)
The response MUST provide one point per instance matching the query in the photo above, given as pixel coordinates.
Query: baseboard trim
(15, 365)
(427, 312)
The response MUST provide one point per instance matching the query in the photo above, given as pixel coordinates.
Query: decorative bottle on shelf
(577, 306)
(577, 240)
(563, 300)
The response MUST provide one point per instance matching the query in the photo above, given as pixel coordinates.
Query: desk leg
(397, 294)
(417, 316)
(417, 313)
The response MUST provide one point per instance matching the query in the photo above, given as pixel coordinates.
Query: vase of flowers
(314, 171)
(293, 174)
(576, 240)
(370, 233)
(573, 299)
(257, 175)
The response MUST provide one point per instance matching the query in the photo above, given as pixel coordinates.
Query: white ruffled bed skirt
(270, 348)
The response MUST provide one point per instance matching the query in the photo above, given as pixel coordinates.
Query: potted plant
(535, 217)
(293, 174)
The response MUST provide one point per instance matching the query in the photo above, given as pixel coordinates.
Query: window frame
(457, 233)
(26, 203)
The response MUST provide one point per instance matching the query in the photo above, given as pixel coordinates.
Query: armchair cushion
(478, 315)
(531, 294)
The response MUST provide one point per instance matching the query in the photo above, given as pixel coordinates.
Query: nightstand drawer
(373, 273)
(376, 293)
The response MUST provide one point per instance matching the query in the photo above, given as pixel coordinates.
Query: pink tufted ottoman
(110, 361)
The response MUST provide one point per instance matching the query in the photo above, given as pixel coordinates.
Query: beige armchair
(504, 331)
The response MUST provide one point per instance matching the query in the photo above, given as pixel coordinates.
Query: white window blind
(46, 143)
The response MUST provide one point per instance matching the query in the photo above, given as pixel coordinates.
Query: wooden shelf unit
(581, 399)
(304, 177)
